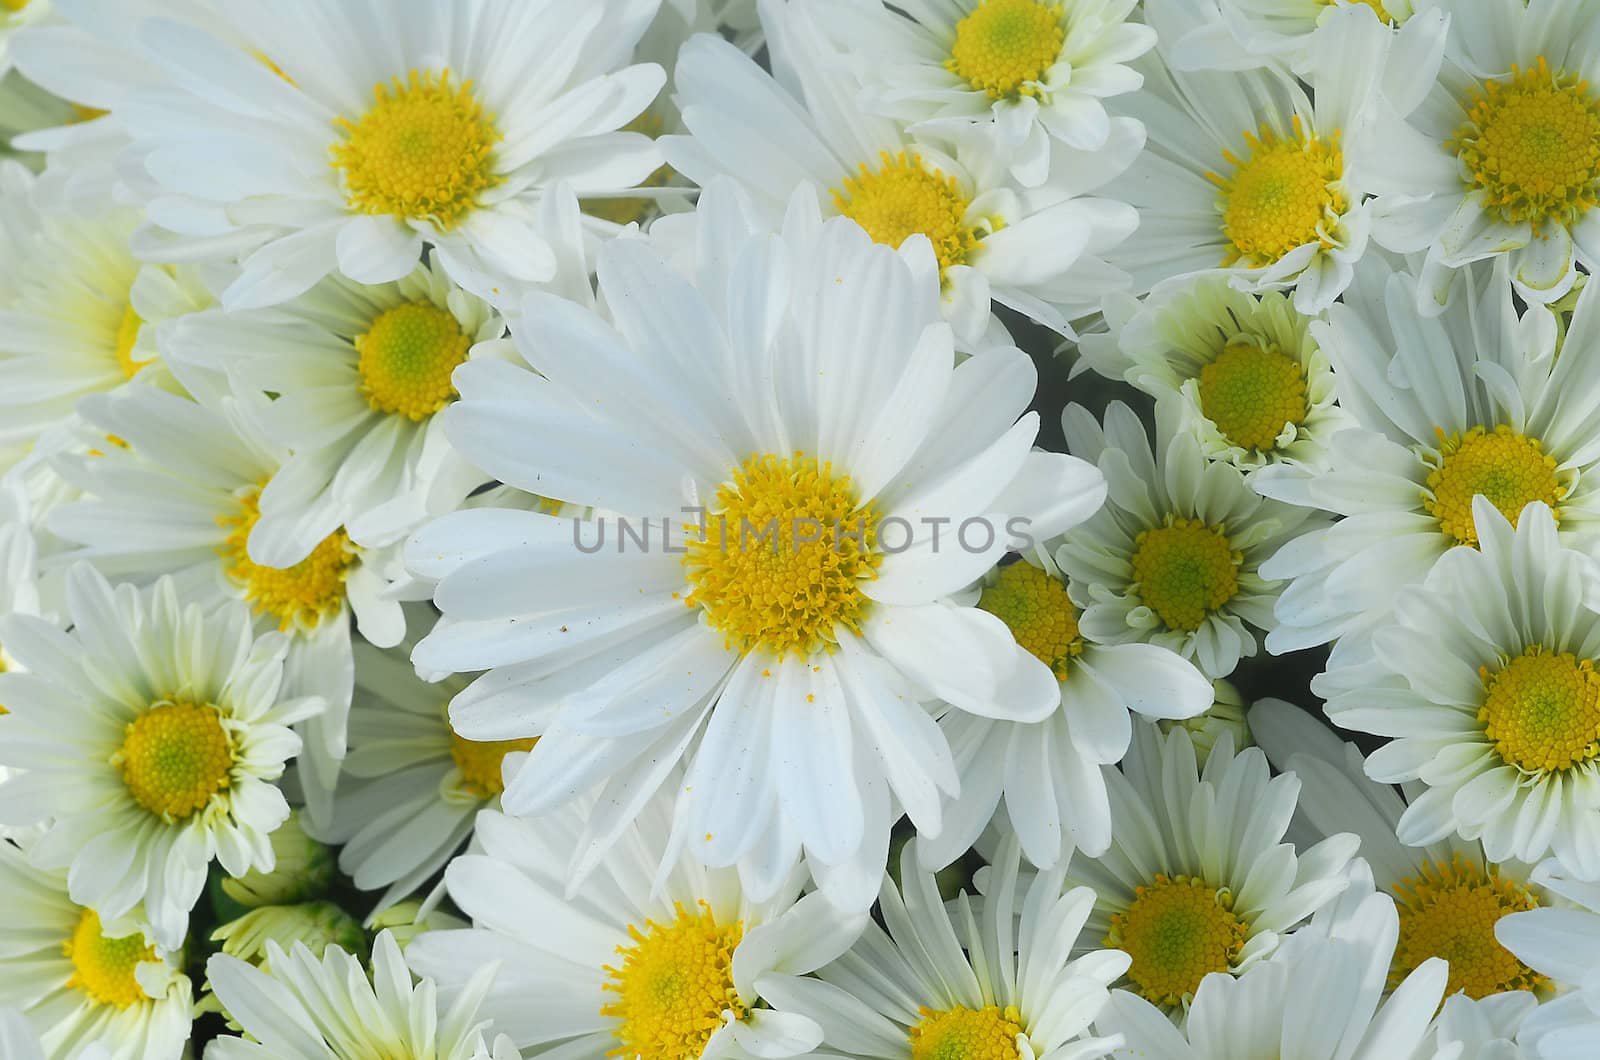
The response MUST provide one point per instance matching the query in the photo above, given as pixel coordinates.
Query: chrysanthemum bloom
(183, 493)
(1318, 1000)
(911, 993)
(1020, 73)
(310, 1008)
(1197, 879)
(1486, 408)
(78, 312)
(1249, 379)
(1449, 896)
(1484, 685)
(1495, 151)
(1173, 559)
(410, 788)
(149, 737)
(1049, 772)
(1039, 251)
(802, 396)
(1563, 944)
(82, 982)
(329, 146)
(358, 376)
(647, 958)
(1245, 172)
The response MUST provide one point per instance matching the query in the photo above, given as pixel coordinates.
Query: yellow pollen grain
(1450, 911)
(299, 596)
(1531, 146)
(175, 757)
(988, 1033)
(1509, 469)
(423, 151)
(103, 968)
(406, 358)
(1251, 392)
(1541, 710)
(779, 563)
(127, 338)
(1284, 194)
(1178, 930)
(903, 198)
(479, 762)
(1185, 570)
(674, 985)
(1005, 47)
(1040, 615)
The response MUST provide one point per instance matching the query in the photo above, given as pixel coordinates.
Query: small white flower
(621, 965)
(1197, 879)
(1563, 944)
(1484, 684)
(150, 737)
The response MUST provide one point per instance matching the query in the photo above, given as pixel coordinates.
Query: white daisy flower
(1483, 683)
(185, 497)
(1471, 403)
(151, 737)
(310, 1008)
(1039, 251)
(1247, 173)
(80, 313)
(1020, 72)
(1321, 1000)
(1493, 152)
(1240, 34)
(1049, 772)
(1449, 896)
(837, 405)
(990, 978)
(330, 144)
(673, 968)
(1246, 374)
(1173, 558)
(1561, 943)
(359, 374)
(81, 983)
(1197, 879)
(410, 788)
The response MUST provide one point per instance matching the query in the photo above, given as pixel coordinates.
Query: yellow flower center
(904, 198)
(103, 968)
(406, 358)
(301, 595)
(1531, 144)
(1185, 570)
(1281, 197)
(1178, 930)
(675, 983)
(1037, 610)
(127, 336)
(13, 5)
(1542, 710)
(1005, 47)
(779, 562)
(174, 757)
(988, 1033)
(479, 762)
(1251, 391)
(1450, 911)
(421, 152)
(1509, 469)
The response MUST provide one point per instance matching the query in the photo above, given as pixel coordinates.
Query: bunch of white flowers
(750, 529)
